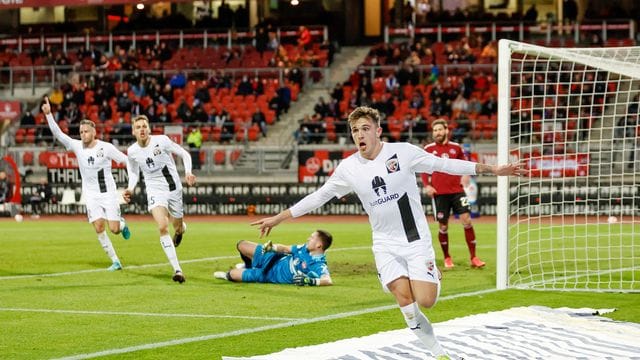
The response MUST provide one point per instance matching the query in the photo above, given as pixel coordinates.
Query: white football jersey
(94, 163)
(388, 190)
(157, 165)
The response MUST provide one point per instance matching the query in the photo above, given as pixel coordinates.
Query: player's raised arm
(55, 129)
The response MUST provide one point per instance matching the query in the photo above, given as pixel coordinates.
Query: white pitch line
(88, 312)
(215, 258)
(253, 330)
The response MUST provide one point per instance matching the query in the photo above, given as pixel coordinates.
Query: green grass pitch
(80, 310)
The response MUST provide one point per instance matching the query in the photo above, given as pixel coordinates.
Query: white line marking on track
(149, 314)
(253, 330)
(215, 258)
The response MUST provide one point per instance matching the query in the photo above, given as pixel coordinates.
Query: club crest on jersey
(100, 153)
(150, 163)
(392, 164)
(452, 151)
(91, 160)
(157, 151)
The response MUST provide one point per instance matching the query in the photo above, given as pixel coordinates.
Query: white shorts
(171, 200)
(415, 265)
(103, 206)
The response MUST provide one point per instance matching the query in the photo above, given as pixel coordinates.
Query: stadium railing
(521, 31)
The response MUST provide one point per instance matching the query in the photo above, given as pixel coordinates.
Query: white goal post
(571, 115)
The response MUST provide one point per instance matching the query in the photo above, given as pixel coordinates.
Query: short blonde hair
(88, 122)
(140, 118)
(364, 112)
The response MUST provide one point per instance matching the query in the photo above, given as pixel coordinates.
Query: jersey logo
(100, 153)
(452, 151)
(91, 160)
(392, 164)
(150, 163)
(378, 184)
(157, 150)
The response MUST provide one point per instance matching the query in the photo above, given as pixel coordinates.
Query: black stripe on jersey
(169, 178)
(408, 222)
(101, 181)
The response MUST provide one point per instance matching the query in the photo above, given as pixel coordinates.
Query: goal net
(571, 115)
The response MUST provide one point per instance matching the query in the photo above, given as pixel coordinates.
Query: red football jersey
(442, 182)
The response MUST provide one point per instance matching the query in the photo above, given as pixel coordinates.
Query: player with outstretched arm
(153, 154)
(98, 187)
(383, 175)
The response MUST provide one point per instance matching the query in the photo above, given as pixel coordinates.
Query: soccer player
(283, 264)
(94, 160)
(153, 155)
(448, 193)
(383, 175)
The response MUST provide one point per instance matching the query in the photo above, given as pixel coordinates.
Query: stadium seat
(27, 158)
(219, 157)
(68, 199)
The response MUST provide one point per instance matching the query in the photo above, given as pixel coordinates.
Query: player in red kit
(448, 193)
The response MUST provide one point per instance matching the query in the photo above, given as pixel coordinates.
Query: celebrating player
(94, 160)
(448, 193)
(383, 175)
(153, 155)
(283, 264)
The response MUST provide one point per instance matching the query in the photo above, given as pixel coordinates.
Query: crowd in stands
(414, 93)
(223, 109)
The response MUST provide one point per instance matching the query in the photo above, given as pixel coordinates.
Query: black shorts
(456, 202)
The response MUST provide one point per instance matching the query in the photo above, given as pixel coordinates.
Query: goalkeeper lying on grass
(283, 264)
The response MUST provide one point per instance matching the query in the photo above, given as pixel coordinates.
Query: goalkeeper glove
(301, 279)
(268, 246)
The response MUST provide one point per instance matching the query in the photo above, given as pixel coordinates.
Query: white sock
(122, 223)
(421, 327)
(107, 246)
(170, 251)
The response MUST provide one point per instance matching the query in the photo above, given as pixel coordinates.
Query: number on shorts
(464, 201)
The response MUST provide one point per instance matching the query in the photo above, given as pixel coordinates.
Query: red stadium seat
(219, 157)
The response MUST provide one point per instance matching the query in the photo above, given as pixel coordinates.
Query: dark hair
(326, 238)
(365, 112)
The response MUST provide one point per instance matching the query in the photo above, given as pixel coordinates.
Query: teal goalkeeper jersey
(314, 266)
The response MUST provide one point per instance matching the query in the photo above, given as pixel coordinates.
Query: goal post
(571, 115)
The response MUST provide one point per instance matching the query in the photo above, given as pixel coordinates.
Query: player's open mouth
(362, 145)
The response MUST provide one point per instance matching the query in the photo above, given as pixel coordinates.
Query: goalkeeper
(283, 264)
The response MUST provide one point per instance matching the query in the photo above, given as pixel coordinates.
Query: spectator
(569, 11)
(194, 140)
(178, 81)
(41, 196)
(6, 188)
(532, 14)
(304, 38)
(490, 106)
(261, 120)
(244, 87)
(321, 108)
